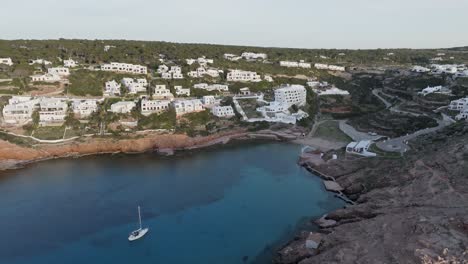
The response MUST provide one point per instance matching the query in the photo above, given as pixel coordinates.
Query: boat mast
(139, 215)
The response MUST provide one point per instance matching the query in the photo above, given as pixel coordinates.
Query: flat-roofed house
(291, 95)
(52, 110)
(124, 68)
(6, 61)
(222, 111)
(112, 88)
(83, 108)
(243, 76)
(360, 148)
(149, 107)
(183, 107)
(122, 107)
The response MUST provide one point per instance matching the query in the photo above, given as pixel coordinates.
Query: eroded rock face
(409, 210)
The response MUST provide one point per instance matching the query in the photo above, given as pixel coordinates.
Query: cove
(224, 205)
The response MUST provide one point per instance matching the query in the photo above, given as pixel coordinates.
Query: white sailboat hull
(137, 234)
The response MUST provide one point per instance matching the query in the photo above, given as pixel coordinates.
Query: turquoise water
(229, 205)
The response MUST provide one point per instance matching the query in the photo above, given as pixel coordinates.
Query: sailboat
(140, 232)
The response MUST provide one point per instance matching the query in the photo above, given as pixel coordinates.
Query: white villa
(201, 71)
(179, 90)
(208, 100)
(162, 68)
(40, 62)
(83, 108)
(232, 57)
(222, 111)
(6, 61)
(51, 78)
(52, 110)
(19, 109)
(436, 89)
(268, 78)
(360, 148)
(295, 64)
(161, 92)
(291, 95)
(459, 105)
(70, 63)
(123, 107)
(462, 115)
(211, 87)
(201, 61)
(124, 68)
(112, 88)
(183, 107)
(135, 86)
(321, 66)
(61, 71)
(254, 56)
(243, 76)
(149, 107)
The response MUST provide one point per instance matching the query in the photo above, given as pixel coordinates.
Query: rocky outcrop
(410, 210)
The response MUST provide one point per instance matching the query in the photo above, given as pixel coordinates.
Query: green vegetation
(49, 132)
(16, 140)
(330, 130)
(165, 120)
(384, 154)
(195, 123)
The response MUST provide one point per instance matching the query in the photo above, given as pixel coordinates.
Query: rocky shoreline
(408, 210)
(14, 156)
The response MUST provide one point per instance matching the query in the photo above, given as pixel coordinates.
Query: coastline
(15, 156)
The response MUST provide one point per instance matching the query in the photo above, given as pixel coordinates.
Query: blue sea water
(227, 205)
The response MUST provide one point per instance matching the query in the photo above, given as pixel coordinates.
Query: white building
(61, 71)
(183, 107)
(108, 47)
(436, 89)
(135, 86)
(254, 56)
(291, 95)
(70, 63)
(123, 107)
(321, 66)
(222, 111)
(360, 148)
(208, 100)
(459, 105)
(162, 68)
(331, 91)
(19, 109)
(83, 108)
(161, 92)
(211, 87)
(295, 64)
(50, 78)
(6, 61)
(182, 91)
(268, 78)
(124, 68)
(201, 61)
(445, 68)
(112, 88)
(149, 107)
(462, 115)
(40, 62)
(243, 76)
(52, 110)
(166, 75)
(232, 57)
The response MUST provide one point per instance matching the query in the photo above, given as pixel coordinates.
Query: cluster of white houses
(295, 64)
(20, 109)
(459, 70)
(329, 67)
(174, 73)
(202, 71)
(243, 76)
(54, 74)
(124, 68)
(460, 105)
(202, 61)
(246, 56)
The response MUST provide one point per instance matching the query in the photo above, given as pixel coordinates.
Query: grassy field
(49, 132)
(330, 130)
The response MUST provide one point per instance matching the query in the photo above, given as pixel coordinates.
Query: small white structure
(40, 62)
(83, 108)
(108, 47)
(201, 61)
(60, 71)
(254, 56)
(135, 86)
(211, 87)
(182, 91)
(436, 89)
(244, 91)
(124, 68)
(331, 91)
(52, 110)
(222, 111)
(162, 68)
(49, 78)
(183, 107)
(209, 100)
(149, 107)
(291, 95)
(268, 78)
(70, 63)
(459, 105)
(243, 76)
(112, 88)
(295, 64)
(360, 148)
(161, 92)
(123, 107)
(321, 66)
(6, 61)
(232, 57)
(462, 115)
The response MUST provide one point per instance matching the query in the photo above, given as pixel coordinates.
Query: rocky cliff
(409, 210)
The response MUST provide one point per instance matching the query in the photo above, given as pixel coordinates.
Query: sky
(351, 24)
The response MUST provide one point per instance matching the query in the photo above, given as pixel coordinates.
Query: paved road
(390, 106)
(376, 93)
(399, 144)
(354, 134)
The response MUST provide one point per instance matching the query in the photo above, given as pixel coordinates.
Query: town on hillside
(67, 89)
